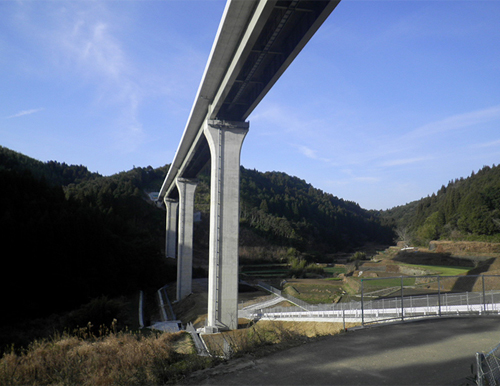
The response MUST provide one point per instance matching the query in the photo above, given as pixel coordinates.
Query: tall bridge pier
(225, 140)
(186, 188)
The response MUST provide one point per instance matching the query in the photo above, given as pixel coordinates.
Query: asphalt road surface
(428, 352)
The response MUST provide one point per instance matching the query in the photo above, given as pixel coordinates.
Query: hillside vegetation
(465, 209)
(72, 236)
(291, 211)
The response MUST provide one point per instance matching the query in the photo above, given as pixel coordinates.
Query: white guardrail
(370, 312)
(371, 315)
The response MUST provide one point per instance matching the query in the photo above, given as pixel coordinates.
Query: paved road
(428, 352)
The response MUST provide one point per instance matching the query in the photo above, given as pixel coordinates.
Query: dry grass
(267, 336)
(116, 359)
(137, 359)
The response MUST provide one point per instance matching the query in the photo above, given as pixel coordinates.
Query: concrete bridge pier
(225, 140)
(186, 188)
(171, 227)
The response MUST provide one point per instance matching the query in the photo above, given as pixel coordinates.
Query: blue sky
(389, 100)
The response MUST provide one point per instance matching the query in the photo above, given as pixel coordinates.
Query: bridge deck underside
(286, 30)
(287, 25)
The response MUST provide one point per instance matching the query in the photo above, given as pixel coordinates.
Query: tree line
(464, 209)
(289, 210)
(70, 236)
(73, 235)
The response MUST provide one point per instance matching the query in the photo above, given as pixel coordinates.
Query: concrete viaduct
(255, 43)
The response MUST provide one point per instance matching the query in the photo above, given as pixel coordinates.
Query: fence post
(479, 368)
(484, 295)
(402, 305)
(362, 306)
(439, 296)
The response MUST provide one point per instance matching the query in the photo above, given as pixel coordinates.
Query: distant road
(428, 352)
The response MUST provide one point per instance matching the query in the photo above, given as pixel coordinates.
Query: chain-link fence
(398, 298)
(422, 296)
(488, 367)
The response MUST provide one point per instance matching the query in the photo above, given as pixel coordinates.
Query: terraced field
(265, 270)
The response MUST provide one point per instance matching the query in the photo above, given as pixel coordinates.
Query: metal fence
(488, 367)
(414, 297)
(164, 305)
(399, 298)
(299, 303)
(422, 296)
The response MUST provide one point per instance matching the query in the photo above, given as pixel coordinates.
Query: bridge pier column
(225, 140)
(186, 188)
(171, 227)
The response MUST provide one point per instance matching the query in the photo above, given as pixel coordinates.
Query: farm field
(333, 270)
(342, 282)
(388, 282)
(264, 270)
(442, 269)
(314, 291)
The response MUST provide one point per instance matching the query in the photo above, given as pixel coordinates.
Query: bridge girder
(256, 42)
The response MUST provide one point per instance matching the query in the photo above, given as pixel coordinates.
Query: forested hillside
(288, 210)
(71, 235)
(465, 209)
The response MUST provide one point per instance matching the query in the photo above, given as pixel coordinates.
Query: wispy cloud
(405, 161)
(407, 148)
(25, 112)
(90, 42)
(413, 149)
(310, 153)
(367, 179)
(488, 144)
(91, 45)
(458, 121)
(284, 119)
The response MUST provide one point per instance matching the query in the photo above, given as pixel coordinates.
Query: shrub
(100, 312)
(358, 256)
